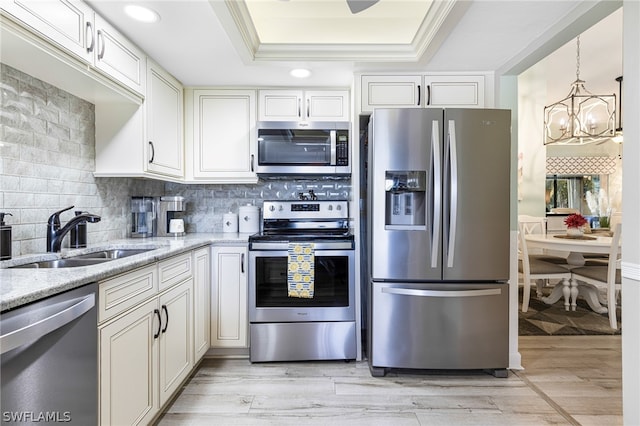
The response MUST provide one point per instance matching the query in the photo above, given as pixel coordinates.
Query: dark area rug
(552, 320)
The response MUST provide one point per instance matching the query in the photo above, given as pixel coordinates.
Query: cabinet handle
(308, 105)
(166, 315)
(153, 152)
(157, 313)
(89, 32)
(252, 158)
(101, 37)
(242, 263)
(419, 94)
(299, 112)
(428, 94)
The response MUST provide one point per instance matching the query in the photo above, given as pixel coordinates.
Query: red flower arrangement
(575, 221)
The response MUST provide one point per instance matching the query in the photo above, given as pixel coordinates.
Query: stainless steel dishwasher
(49, 357)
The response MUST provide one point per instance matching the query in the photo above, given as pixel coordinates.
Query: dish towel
(300, 270)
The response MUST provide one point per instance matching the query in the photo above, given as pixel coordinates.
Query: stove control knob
(338, 207)
(272, 208)
(280, 208)
(330, 207)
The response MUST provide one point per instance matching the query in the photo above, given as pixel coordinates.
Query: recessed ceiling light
(142, 14)
(300, 73)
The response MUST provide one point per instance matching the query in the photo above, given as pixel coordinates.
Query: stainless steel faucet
(55, 234)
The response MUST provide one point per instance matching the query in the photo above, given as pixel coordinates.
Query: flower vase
(575, 232)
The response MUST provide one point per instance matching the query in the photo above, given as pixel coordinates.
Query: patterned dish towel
(300, 270)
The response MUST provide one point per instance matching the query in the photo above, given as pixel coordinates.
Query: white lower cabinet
(201, 304)
(128, 373)
(146, 350)
(175, 359)
(229, 304)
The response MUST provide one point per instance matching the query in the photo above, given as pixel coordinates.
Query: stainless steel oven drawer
(303, 341)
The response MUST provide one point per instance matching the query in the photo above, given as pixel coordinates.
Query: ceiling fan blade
(357, 6)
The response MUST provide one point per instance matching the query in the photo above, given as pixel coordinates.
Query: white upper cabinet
(416, 91)
(118, 57)
(165, 139)
(300, 105)
(221, 135)
(388, 91)
(73, 26)
(68, 24)
(463, 91)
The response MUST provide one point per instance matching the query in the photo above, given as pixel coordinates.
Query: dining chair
(533, 267)
(606, 275)
(537, 225)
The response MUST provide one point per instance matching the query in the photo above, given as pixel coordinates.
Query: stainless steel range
(285, 326)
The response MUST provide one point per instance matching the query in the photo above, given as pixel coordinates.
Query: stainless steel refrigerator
(438, 208)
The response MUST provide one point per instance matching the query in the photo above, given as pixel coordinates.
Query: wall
(47, 150)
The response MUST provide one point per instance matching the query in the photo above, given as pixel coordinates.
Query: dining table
(576, 247)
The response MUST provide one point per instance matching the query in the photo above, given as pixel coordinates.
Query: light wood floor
(566, 380)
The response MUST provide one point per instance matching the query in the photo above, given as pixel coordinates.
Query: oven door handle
(242, 263)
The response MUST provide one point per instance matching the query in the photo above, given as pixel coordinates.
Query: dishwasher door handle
(441, 293)
(45, 326)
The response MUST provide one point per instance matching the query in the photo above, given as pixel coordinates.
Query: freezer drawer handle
(45, 326)
(442, 293)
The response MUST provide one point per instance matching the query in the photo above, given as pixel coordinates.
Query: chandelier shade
(581, 117)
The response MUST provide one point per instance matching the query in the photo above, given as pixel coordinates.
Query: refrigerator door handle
(436, 191)
(441, 293)
(453, 192)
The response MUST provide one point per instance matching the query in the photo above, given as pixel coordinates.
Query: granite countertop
(19, 286)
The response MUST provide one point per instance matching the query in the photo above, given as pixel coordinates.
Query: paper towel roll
(230, 222)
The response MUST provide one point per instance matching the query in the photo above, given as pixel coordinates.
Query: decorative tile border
(581, 165)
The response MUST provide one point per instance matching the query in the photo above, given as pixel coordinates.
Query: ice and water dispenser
(405, 199)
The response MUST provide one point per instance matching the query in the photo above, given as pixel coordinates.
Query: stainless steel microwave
(318, 148)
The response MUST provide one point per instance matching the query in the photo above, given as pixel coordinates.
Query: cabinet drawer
(125, 291)
(174, 270)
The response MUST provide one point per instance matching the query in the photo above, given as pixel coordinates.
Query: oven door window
(331, 283)
(294, 147)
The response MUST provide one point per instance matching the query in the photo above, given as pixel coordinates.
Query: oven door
(333, 299)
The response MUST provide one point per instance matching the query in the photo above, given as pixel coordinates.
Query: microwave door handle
(332, 136)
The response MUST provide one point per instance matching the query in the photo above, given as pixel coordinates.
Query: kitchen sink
(62, 263)
(85, 259)
(112, 254)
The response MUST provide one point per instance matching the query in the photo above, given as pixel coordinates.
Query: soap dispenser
(5, 238)
(78, 237)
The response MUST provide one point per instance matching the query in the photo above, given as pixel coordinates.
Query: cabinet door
(128, 367)
(165, 143)
(229, 311)
(201, 305)
(280, 105)
(68, 24)
(387, 91)
(464, 91)
(175, 338)
(224, 135)
(118, 57)
(327, 105)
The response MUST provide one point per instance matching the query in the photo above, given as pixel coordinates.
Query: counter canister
(249, 219)
(230, 222)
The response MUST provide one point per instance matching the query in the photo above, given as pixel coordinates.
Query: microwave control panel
(342, 148)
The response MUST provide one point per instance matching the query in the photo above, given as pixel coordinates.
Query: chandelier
(581, 117)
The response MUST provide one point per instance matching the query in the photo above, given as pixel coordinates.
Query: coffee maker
(144, 216)
(171, 208)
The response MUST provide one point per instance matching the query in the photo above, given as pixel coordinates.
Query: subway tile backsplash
(47, 150)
